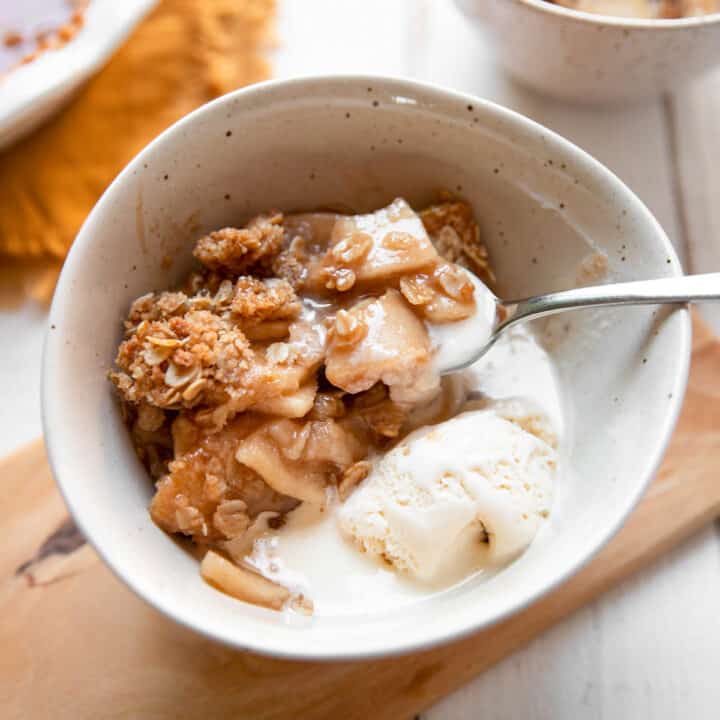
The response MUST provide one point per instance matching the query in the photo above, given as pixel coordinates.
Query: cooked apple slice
(379, 247)
(273, 461)
(302, 457)
(282, 368)
(293, 405)
(241, 583)
(377, 340)
(330, 442)
(204, 476)
(268, 330)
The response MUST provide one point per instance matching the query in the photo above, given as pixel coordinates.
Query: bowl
(32, 93)
(591, 58)
(544, 207)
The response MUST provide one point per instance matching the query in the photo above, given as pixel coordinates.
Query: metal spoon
(471, 339)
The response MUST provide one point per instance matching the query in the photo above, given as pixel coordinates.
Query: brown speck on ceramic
(165, 177)
(134, 267)
(668, 261)
(347, 115)
(496, 170)
(644, 360)
(228, 133)
(369, 89)
(372, 148)
(227, 196)
(399, 140)
(145, 165)
(563, 166)
(534, 261)
(52, 327)
(623, 259)
(470, 108)
(562, 206)
(312, 175)
(458, 188)
(375, 103)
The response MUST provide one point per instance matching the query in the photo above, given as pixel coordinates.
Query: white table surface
(651, 647)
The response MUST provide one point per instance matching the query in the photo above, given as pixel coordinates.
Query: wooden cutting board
(75, 643)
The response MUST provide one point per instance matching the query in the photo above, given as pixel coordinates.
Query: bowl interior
(543, 206)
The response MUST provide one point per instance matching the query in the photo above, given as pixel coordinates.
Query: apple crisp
(296, 351)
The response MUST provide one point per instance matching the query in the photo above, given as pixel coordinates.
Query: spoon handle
(687, 288)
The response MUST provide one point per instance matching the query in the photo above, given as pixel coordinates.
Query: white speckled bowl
(543, 205)
(32, 93)
(592, 58)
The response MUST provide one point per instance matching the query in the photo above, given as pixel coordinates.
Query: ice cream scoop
(466, 494)
(464, 342)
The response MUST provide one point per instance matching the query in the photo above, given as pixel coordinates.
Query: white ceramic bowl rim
(622, 22)
(432, 95)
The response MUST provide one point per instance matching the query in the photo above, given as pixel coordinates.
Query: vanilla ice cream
(452, 498)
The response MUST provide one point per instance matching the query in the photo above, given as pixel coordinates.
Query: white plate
(31, 93)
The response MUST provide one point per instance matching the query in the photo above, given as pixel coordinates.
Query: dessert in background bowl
(353, 145)
(648, 9)
(601, 51)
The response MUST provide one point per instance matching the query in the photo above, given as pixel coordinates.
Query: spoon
(461, 344)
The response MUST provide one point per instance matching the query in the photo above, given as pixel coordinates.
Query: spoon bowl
(467, 341)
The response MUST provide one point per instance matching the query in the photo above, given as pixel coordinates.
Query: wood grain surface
(75, 643)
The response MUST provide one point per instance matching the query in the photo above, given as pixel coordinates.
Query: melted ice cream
(479, 486)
